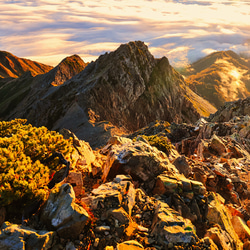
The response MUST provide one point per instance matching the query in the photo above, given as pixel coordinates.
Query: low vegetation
(23, 148)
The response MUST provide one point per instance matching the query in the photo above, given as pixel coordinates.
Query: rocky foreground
(131, 195)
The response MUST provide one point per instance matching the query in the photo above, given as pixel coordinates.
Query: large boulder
(62, 214)
(140, 160)
(16, 237)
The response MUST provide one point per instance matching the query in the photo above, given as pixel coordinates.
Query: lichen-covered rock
(16, 237)
(62, 214)
(169, 227)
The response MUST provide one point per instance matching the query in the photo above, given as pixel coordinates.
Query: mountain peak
(66, 69)
(12, 66)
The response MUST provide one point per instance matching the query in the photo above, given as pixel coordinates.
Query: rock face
(128, 88)
(220, 77)
(12, 66)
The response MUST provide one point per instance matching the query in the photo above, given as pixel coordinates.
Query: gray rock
(140, 160)
(62, 214)
(16, 237)
(115, 194)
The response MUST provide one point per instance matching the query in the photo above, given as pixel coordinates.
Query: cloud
(183, 30)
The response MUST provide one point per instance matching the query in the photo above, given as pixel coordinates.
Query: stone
(221, 238)
(168, 226)
(70, 246)
(84, 153)
(130, 244)
(217, 145)
(138, 159)
(119, 214)
(75, 179)
(241, 228)
(165, 185)
(182, 165)
(112, 195)
(203, 151)
(62, 214)
(218, 214)
(16, 237)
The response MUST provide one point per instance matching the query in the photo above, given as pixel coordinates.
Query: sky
(47, 31)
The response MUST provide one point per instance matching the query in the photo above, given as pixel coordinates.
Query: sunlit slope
(12, 66)
(220, 77)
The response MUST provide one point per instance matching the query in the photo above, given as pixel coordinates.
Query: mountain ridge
(220, 77)
(13, 66)
(127, 87)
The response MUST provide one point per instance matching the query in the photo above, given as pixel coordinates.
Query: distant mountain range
(12, 66)
(220, 77)
(121, 91)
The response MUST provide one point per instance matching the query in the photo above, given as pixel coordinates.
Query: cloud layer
(182, 30)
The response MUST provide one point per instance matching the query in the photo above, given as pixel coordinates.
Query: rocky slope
(132, 195)
(12, 66)
(18, 95)
(128, 88)
(220, 77)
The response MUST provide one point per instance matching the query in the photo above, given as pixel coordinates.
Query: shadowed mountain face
(127, 88)
(12, 66)
(220, 77)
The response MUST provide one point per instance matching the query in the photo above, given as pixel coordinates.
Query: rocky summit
(127, 88)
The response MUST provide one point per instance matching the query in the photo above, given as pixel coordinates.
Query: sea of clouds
(49, 30)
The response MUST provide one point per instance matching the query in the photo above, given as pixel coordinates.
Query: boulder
(140, 160)
(203, 151)
(169, 227)
(112, 195)
(62, 214)
(221, 238)
(18, 237)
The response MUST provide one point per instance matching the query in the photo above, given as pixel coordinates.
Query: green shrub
(162, 143)
(23, 176)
